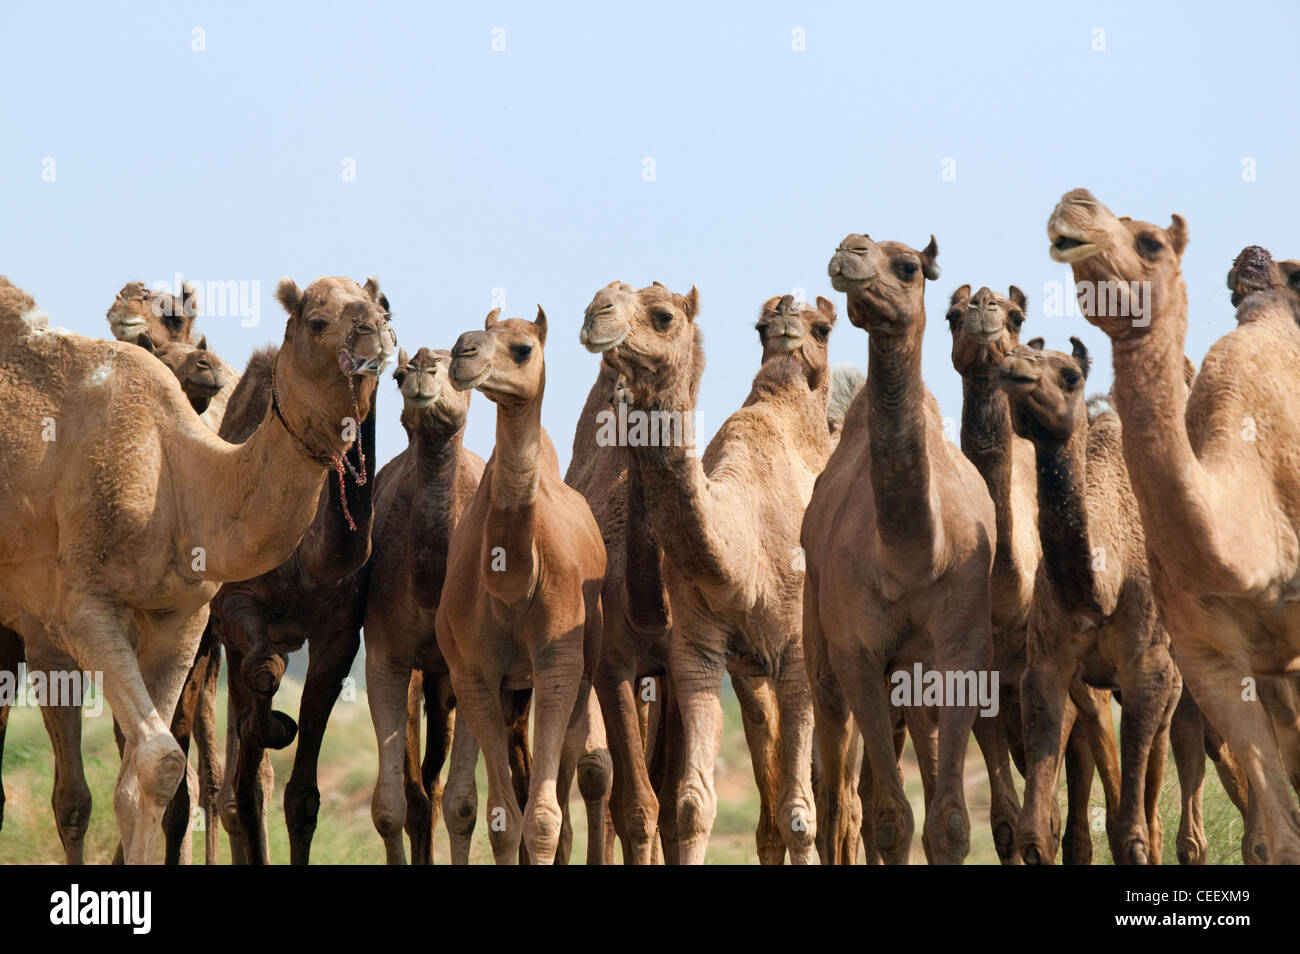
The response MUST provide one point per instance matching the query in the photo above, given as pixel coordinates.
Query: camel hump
(18, 312)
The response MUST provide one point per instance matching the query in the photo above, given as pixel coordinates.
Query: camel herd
(1141, 546)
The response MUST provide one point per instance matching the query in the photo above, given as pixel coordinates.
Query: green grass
(348, 762)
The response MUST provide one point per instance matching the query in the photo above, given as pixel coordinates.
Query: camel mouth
(985, 337)
(469, 384)
(129, 327)
(206, 388)
(353, 364)
(785, 341)
(420, 401)
(1068, 249)
(601, 345)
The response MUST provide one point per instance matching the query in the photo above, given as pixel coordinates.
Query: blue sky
(522, 169)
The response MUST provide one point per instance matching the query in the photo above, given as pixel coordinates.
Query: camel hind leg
(1187, 738)
(759, 715)
(438, 701)
(70, 800)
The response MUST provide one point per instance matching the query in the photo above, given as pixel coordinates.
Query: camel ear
(1189, 371)
(1291, 269)
(826, 308)
(658, 284)
(203, 343)
(540, 324)
(614, 284)
(372, 288)
(1177, 233)
(146, 342)
(1080, 353)
(691, 303)
(491, 319)
(929, 256)
(1018, 298)
(1035, 343)
(190, 299)
(959, 294)
(399, 372)
(287, 294)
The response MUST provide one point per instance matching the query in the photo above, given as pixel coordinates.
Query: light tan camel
(521, 601)
(1215, 483)
(1093, 614)
(121, 527)
(900, 536)
(731, 548)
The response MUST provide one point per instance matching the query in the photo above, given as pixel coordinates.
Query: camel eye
(663, 319)
(1070, 379)
(1017, 319)
(1149, 244)
(520, 352)
(953, 316)
(907, 270)
(821, 331)
(317, 324)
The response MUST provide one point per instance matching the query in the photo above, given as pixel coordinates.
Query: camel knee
(71, 806)
(460, 810)
(388, 813)
(301, 807)
(542, 829)
(595, 775)
(159, 765)
(797, 819)
(696, 809)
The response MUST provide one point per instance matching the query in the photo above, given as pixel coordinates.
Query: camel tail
(846, 382)
(18, 312)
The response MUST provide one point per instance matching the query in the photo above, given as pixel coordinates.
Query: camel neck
(900, 469)
(647, 594)
(987, 440)
(1061, 468)
(331, 549)
(437, 450)
(515, 471)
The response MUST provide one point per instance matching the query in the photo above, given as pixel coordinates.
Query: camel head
(648, 335)
(1256, 270)
(885, 281)
(1124, 270)
(504, 360)
(985, 328)
(138, 310)
(427, 391)
(193, 366)
(1046, 390)
(338, 336)
(787, 327)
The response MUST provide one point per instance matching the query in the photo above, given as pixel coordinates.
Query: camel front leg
(479, 706)
(1094, 717)
(1004, 808)
(330, 660)
(1149, 697)
(632, 798)
(697, 679)
(388, 684)
(557, 685)
(796, 808)
(70, 799)
(1187, 738)
(438, 704)
(1076, 845)
(460, 794)
(760, 720)
(595, 779)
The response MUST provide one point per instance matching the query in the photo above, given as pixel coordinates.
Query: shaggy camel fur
(733, 561)
(316, 594)
(521, 601)
(1214, 482)
(122, 528)
(985, 328)
(898, 569)
(159, 319)
(1093, 614)
(634, 598)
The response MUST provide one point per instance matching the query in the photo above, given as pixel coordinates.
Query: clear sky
(523, 169)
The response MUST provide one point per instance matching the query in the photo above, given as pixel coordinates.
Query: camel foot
(1191, 852)
(1136, 853)
(277, 733)
(1029, 854)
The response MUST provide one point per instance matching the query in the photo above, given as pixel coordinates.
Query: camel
(731, 550)
(909, 555)
(1211, 471)
(121, 528)
(985, 328)
(634, 598)
(1093, 613)
(194, 368)
(317, 594)
(1254, 270)
(521, 601)
(163, 323)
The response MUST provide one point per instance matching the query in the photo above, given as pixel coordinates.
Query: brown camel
(1212, 477)
(521, 602)
(318, 593)
(122, 528)
(898, 570)
(985, 328)
(634, 598)
(1093, 614)
(157, 320)
(732, 557)
(194, 367)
